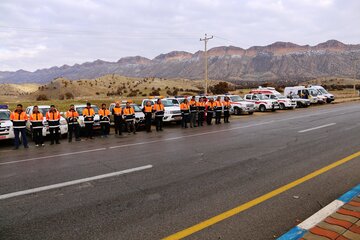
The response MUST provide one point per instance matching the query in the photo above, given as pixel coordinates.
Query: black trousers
(193, 119)
(17, 132)
(217, 117)
(148, 122)
(105, 128)
(89, 130)
(184, 120)
(201, 117)
(209, 117)
(159, 123)
(130, 126)
(73, 129)
(54, 134)
(226, 116)
(37, 136)
(118, 124)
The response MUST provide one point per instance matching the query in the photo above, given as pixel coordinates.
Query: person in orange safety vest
(53, 119)
(19, 118)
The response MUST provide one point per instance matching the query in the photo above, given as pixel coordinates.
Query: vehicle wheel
(282, 106)
(262, 108)
(251, 113)
(328, 100)
(237, 111)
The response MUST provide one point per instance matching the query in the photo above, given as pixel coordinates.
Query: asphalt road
(194, 175)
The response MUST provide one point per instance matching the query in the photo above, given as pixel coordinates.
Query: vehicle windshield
(313, 92)
(279, 96)
(236, 99)
(5, 115)
(323, 91)
(136, 107)
(167, 103)
(80, 109)
(44, 110)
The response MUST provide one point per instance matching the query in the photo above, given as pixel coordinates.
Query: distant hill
(277, 62)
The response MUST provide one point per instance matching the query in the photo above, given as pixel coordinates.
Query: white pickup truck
(262, 102)
(6, 126)
(239, 105)
(44, 109)
(172, 111)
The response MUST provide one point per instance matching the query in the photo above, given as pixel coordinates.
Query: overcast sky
(39, 34)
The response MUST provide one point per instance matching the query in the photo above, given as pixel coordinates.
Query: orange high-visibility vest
(117, 110)
(148, 109)
(184, 106)
(104, 112)
(19, 119)
(159, 107)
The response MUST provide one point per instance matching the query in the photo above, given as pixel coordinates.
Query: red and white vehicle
(271, 93)
(239, 105)
(262, 102)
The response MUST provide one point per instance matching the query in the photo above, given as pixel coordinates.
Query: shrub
(42, 97)
(69, 95)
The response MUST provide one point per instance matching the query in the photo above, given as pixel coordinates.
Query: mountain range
(280, 61)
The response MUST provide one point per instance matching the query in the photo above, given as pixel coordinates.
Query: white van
(312, 93)
(322, 91)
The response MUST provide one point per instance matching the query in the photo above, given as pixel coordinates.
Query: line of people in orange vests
(192, 111)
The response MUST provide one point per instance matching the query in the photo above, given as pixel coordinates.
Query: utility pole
(206, 39)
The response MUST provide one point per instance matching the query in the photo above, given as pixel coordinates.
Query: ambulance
(270, 92)
(239, 105)
(262, 102)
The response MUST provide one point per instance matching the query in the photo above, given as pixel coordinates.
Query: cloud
(37, 34)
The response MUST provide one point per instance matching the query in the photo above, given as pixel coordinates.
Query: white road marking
(53, 156)
(315, 128)
(169, 139)
(74, 182)
(321, 215)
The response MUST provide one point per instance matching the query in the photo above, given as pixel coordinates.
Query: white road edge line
(321, 214)
(74, 182)
(315, 128)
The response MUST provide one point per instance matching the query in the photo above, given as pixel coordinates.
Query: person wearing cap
(19, 118)
(210, 107)
(185, 112)
(227, 106)
(117, 111)
(159, 114)
(36, 120)
(129, 117)
(148, 111)
(88, 114)
(104, 114)
(53, 119)
(193, 111)
(72, 118)
(201, 111)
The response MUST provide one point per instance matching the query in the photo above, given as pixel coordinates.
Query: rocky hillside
(280, 61)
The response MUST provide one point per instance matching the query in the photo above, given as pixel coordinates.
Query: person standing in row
(185, 112)
(19, 118)
(129, 116)
(117, 111)
(201, 111)
(210, 107)
(227, 106)
(148, 111)
(36, 119)
(104, 115)
(218, 110)
(159, 114)
(88, 114)
(53, 119)
(193, 112)
(72, 118)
